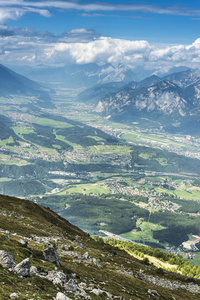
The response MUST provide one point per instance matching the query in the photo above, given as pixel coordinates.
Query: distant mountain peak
(155, 97)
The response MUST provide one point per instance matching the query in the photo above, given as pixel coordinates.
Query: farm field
(143, 232)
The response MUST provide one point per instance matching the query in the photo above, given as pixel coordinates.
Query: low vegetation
(117, 272)
(175, 263)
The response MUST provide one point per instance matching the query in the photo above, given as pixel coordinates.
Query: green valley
(90, 171)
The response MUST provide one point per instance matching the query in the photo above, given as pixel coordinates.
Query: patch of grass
(162, 161)
(76, 146)
(4, 179)
(20, 130)
(97, 138)
(16, 162)
(110, 149)
(86, 189)
(6, 141)
(53, 123)
(188, 195)
(144, 234)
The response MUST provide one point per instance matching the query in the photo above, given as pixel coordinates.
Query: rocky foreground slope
(43, 256)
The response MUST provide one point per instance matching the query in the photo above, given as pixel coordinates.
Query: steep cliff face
(164, 97)
(171, 99)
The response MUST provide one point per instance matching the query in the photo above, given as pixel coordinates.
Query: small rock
(71, 286)
(6, 260)
(86, 256)
(61, 296)
(14, 296)
(51, 255)
(82, 285)
(153, 292)
(24, 243)
(33, 271)
(81, 293)
(97, 291)
(23, 268)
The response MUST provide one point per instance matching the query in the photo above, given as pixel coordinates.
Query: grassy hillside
(108, 269)
(163, 161)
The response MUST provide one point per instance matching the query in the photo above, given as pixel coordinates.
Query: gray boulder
(24, 243)
(51, 255)
(33, 271)
(57, 277)
(6, 260)
(61, 296)
(23, 268)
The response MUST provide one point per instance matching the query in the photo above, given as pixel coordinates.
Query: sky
(152, 33)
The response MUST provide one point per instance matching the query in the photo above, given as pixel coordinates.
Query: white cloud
(133, 53)
(15, 13)
(101, 50)
(86, 46)
(179, 53)
(6, 15)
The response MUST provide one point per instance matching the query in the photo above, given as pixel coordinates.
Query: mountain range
(79, 76)
(173, 99)
(12, 83)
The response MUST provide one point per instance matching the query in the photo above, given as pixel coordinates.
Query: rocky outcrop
(57, 277)
(86, 256)
(171, 285)
(6, 260)
(51, 255)
(23, 268)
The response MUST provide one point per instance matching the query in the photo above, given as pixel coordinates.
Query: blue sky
(115, 31)
(156, 21)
